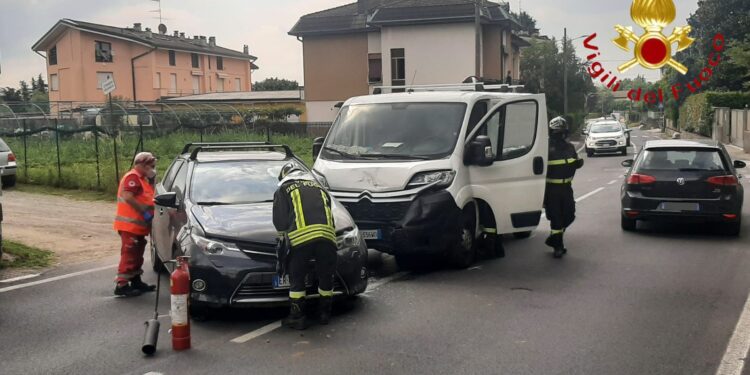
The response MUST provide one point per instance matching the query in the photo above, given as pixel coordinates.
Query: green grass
(81, 195)
(78, 157)
(26, 256)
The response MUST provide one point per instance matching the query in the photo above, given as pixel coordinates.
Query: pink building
(145, 65)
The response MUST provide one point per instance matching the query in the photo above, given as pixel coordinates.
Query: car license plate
(679, 206)
(280, 283)
(371, 234)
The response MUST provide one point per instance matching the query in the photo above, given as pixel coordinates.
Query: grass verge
(81, 195)
(25, 256)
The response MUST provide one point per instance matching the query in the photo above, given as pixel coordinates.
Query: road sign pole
(114, 139)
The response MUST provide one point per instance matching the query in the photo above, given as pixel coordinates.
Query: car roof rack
(232, 146)
(471, 86)
(188, 146)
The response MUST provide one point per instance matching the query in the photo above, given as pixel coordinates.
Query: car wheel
(589, 153)
(199, 313)
(628, 224)
(463, 253)
(522, 235)
(9, 181)
(624, 150)
(156, 264)
(733, 229)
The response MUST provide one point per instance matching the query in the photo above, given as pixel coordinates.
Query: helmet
(288, 169)
(558, 125)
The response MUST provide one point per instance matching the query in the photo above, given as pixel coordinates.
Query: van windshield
(606, 128)
(398, 131)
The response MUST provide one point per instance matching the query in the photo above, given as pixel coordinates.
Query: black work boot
(324, 309)
(559, 252)
(140, 285)
(126, 290)
(296, 319)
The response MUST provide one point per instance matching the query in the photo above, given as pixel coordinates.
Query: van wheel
(627, 224)
(156, 264)
(522, 235)
(463, 253)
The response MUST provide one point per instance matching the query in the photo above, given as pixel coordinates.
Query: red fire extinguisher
(180, 290)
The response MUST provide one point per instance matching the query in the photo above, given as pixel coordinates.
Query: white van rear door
(514, 184)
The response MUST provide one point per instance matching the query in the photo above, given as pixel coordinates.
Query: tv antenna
(158, 10)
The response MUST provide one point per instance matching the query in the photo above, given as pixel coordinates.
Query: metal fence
(90, 145)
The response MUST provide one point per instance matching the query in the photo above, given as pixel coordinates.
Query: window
(209, 62)
(219, 63)
(236, 182)
(54, 82)
(103, 51)
(180, 182)
(682, 160)
(157, 80)
(375, 68)
(101, 77)
(196, 84)
(172, 58)
(512, 127)
(398, 67)
(195, 59)
(171, 173)
(220, 85)
(52, 56)
(173, 83)
(237, 84)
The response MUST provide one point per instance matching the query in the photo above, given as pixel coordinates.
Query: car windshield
(605, 128)
(235, 182)
(682, 160)
(403, 131)
(4, 146)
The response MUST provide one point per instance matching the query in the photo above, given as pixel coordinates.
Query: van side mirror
(317, 146)
(739, 164)
(168, 200)
(627, 163)
(479, 152)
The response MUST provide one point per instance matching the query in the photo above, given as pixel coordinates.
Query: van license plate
(279, 283)
(371, 234)
(679, 206)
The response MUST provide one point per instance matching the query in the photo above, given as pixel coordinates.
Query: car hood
(252, 222)
(374, 176)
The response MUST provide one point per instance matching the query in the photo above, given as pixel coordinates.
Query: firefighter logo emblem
(653, 49)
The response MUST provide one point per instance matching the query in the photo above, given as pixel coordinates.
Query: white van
(425, 173)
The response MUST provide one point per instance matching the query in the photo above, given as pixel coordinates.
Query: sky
(263, 25)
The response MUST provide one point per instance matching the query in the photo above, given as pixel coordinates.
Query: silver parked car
(7, 165)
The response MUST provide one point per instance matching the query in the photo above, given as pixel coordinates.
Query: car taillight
(723, 180)
(640, 179)
(11, 157)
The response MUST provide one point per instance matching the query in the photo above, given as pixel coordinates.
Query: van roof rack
(188, 146)
(472, 86)
(250, 147)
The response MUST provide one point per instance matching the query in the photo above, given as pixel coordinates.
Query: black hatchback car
(683, 180)
(214, 205)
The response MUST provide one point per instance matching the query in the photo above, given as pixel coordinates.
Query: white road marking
(611, 182)
(736, 147)
(580, 149)
(733, 362)
(56, 278)
(19, 278)
(589, 195)
(277, 324)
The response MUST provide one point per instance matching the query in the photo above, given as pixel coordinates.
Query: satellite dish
(162, 28)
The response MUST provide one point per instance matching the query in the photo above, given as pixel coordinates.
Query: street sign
(108, 85)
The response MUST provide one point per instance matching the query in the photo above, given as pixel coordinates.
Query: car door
(160, 225)
(178, 216)
(513, 185)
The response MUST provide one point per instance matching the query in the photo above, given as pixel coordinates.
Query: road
(663, 300)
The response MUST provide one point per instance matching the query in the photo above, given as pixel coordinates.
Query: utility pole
(477, 41)
(565, 71)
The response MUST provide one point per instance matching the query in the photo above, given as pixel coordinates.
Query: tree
(40, 84)
(528, 23)
(275, 84)
(25, 91)
(41, 99)
(10, 94)
(34, 88)
(739, 55)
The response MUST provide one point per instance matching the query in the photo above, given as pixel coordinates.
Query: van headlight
(212, 247)
(441, 178)
(321, 179)
(349, 239)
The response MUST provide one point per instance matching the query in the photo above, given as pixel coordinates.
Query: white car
(607, 137)
(424, 174)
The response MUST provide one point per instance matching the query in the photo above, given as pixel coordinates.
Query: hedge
(697, 114)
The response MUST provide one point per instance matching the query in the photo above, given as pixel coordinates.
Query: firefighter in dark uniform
(302, 215)
(559, 202)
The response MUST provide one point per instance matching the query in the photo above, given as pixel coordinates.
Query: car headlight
(349, 239)
(321, 179)
(440, 178)
(212, 247)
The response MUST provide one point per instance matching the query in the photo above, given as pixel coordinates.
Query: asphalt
(663, 300)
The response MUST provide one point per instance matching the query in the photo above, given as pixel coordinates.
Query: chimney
(149, 35)
(176, 33)
(246, 49)
(363, 6)
(203, 40)
(212, 41)
(182, 35)
(137, 26)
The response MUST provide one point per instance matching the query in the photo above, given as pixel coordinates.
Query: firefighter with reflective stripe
(302, 213)
(559, 202)
(135, 209)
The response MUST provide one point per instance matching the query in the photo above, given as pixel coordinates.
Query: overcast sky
(263, 25)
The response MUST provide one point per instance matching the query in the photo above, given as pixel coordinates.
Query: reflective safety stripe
(328, 209)
(325, 293)
(554, 231)
(132, 221)
(297, 241)
(489, 230)
(297, 295)
(299, 214)
(312, 228)
(561, 161)
(559, 181)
